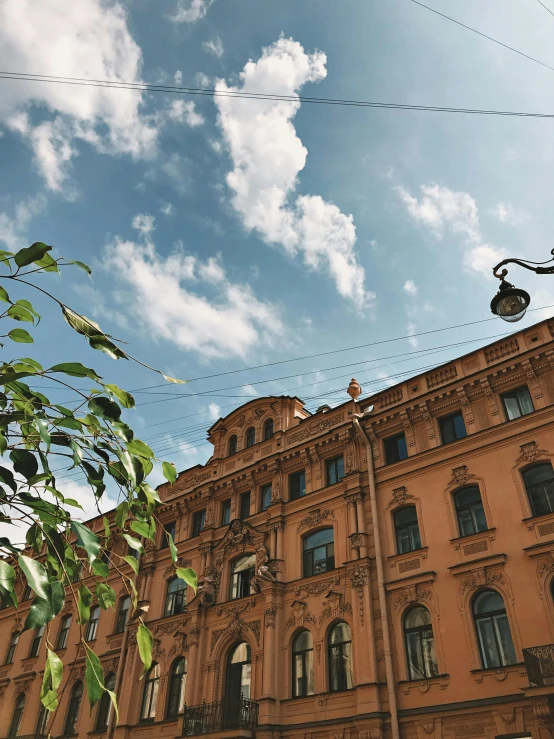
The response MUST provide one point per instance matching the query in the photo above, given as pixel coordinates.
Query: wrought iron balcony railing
(220, 716)
(539, 662)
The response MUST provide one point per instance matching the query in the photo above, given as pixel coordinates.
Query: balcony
(539, 662)
(209, 718)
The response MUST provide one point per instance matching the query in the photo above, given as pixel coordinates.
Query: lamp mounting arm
(533, 266)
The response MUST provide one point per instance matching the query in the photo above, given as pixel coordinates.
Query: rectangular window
(517, 403)
(266, 494)
(124, 606)
(168, 530)
(335, 470)
(198, 522)
(64, 632)
(226, 512)
(452, 427)
(297, 485)
(395, 448)
(37, 640)
(245, 505)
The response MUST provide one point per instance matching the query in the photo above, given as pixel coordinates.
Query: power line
(484, 35)
(545, 7)
(170, 89)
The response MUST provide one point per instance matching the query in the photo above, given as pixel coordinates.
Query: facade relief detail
(316, 588)
(316, 428)
(530, 452)
(314, 518)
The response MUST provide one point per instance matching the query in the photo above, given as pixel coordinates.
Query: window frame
(198, 528)
(104, 711)
(14, 641)
(42, 721)
(530, 488)
(121, 620)
(226, 512)
(250, 437)
(152, 690)
(238, 582)
(168, 529)
(514, 391)
(341, 676)
(494, 617)
(386, 443)
(307, 666)
(332, 465)
(268, 425)
(176, 696)
(17, 715)
(470, 509)
(443, 420)
(264, 491)
(92, 625)
(36, 642)
(232, 445)
(245, 497)
(419, 631)
(308, 554)
(408, 528)
(175, 600)
(73, 709)
(297, 473)
(63, 634)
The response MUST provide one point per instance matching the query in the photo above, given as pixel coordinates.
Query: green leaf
(169, 472)
(139, 448)
(103, 344)
(84, 601)
(51, 680)
(94, 678)
(105, 408)
(125, 398)
(42, 426)
(123, 431)
(87, 540)
(3, 443)
(121, 514)
(29, 306)
(106, 527)
(100, 568)
(133, 543)
(33, 537)
(5, 543)
(20, 336)
(7, 578)
(105, 595)
(175, 381)
(7, 478)
(172, 547)
(81, 324)
(144, 640)
(4, 297)
(35, 574)
(24, 463)
(18, 313)
(31, 254)
(113, 699)
(75, 369)
(47, 263)
(43, 610)
(132, 562)
(188, 575)
(141, 528)
(82, 265)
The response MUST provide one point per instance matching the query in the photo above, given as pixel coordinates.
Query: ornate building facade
(378, 570)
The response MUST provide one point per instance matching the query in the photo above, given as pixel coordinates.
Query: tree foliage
(40, 438)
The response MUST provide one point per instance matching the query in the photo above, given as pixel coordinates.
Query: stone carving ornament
(314, 518)
(529, 452)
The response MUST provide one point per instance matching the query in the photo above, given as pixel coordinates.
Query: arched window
(105, 705)
(17, 716)
(340, 658)
(13, 645)
(268, 429)
(92, 626)
(539, 483)
(124, 606)
(73, 709)
(177, 682)
(64, 631)
(251, 436)
(319, 552)
(42, 722)
(37, 641)
(237, 683)
(233, 445)
(406, 529)
(302, 665)
(176, 597)
(469, 510)
(243, 570)
(150, 695)
(420, 644)
(493, 630)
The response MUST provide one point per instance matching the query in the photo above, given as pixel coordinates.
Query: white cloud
(410, 288)
(190, 11)
(440, 209)
(215, 411)
(214, 47)
(12, 228)
(267, 157)
(167, 209)
(191, 303)
(184, 111)
(411, 331)
(178, 78)
(250, 391)
(144, 224)
(87, 39)
(506, 213)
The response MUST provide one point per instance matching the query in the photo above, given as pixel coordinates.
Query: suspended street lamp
(510, 303)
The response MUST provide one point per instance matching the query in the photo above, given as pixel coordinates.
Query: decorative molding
(270, 615)
(316, 588)
(481, 578)
(400, 496)
(300, 616)
(461, 476)
(314, 518)
(413, 594)
(316, 428)
(529, 452)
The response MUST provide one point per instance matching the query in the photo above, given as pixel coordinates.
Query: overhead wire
(171, 89)
(545, 7)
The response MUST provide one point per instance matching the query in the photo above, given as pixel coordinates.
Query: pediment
(240, 537)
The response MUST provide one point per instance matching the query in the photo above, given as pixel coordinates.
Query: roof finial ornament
(354, 389)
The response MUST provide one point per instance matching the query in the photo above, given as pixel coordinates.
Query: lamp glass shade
(510, 303)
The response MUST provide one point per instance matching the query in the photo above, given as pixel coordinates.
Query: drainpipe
(380, 579)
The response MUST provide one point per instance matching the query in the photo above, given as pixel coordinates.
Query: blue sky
(229, 233)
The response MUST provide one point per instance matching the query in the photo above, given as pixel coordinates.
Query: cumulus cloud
(90, 39)
(12, 227)
(267, 157)
(410, 288)
(143, 223)
(167, 209)
(184, 111)
(214, 47)
(189, 302)
(505, 213)
(190, 11)
(441, 210)
(214, 411)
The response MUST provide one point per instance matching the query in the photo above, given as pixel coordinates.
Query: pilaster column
(360, 515)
